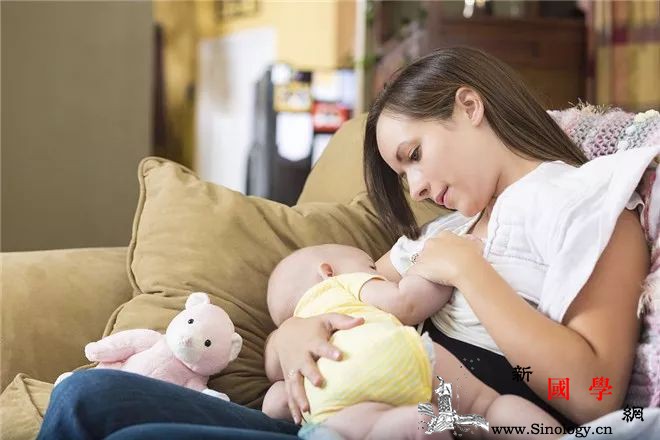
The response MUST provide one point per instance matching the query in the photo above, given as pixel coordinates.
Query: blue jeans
(97, 403)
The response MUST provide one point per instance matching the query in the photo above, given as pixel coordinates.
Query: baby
(387, 368)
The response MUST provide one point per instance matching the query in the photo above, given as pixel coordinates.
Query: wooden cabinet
(550, 54)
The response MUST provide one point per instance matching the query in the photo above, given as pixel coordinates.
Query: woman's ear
(471, 104)
(325, 270)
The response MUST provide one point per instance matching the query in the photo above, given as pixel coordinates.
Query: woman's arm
(599, 331)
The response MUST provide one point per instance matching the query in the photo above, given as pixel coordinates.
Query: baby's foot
(318, 432)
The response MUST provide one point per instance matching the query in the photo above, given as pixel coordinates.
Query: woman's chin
(467, 212)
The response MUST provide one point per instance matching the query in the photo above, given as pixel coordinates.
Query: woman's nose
(419, 192)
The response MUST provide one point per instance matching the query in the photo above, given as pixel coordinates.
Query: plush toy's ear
(197, 298)
(236, 345)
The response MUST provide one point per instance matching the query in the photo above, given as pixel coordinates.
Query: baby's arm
(276, 402)
(385, 267)
(271, 361)
(412, 300)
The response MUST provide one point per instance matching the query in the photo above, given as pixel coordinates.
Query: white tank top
(545, 235)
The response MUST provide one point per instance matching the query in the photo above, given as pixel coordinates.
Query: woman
(460, 128)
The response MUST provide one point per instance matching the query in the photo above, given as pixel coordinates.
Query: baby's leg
(379, 421)
(466, 387)
(275, 403)
(512, 410)
(478, 398)
(508, 410)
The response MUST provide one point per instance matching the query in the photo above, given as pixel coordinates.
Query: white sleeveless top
(546, 232)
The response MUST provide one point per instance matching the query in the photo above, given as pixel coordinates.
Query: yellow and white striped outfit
(383, 360)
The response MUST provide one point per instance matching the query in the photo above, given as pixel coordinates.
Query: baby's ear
(325, 270)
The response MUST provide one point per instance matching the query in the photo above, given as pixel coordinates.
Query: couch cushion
(22, 407)
(189, 235)
(73, 291)
(337, 175)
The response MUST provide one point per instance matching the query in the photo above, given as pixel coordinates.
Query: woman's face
(435, 158)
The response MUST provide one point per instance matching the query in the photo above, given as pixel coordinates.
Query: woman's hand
(299, 343)
(447, 257)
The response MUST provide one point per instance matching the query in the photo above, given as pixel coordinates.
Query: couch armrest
(52, 303)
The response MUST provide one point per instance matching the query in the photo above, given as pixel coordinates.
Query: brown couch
(54, 302)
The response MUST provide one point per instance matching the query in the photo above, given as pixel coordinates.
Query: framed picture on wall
(227, 9)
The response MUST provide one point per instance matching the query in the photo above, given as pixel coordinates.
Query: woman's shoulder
(557, 202)
(604, 186)
(536, 202)
(589, 202)
(560, 192)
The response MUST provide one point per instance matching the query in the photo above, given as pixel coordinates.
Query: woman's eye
(415, 154)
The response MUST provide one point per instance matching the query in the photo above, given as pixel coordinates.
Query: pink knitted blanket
(599, 131)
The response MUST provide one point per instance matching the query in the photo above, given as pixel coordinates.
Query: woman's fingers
(297, 358)
(417, 269)
(479, 242)
(327, 350)
(289, 383)
(311, 371)
(337, 321)
(299, 397)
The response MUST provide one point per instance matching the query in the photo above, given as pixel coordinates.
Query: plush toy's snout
(203, 337)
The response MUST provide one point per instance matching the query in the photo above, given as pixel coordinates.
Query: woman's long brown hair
(426, 90)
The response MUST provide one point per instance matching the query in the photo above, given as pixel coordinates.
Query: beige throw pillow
(190, 235)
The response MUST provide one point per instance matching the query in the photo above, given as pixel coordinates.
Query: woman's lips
(442, 198)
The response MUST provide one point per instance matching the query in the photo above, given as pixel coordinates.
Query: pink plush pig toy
(200, 341)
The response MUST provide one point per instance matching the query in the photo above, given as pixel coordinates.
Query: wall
(326, 27)
(76, 109)
(178, 21)
(307, 34)
(225, 103)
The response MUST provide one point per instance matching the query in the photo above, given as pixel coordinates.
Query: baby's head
(304, 268)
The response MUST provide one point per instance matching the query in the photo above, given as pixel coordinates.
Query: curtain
(623, 50)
